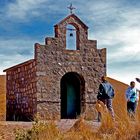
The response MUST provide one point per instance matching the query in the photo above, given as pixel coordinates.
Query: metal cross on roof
(71, 8)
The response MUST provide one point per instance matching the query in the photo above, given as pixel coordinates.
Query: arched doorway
(72, 90)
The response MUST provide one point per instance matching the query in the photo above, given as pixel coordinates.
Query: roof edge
(72, 15)
(18, 65)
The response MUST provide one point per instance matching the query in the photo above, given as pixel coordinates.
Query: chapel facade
(61, 81)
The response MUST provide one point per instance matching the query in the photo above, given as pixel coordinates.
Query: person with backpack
(132, 97)
(106, 94)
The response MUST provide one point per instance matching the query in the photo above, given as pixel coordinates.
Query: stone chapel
(61, 81)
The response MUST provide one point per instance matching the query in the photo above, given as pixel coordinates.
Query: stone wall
(21, 91)
(54, 61)
(34, 86)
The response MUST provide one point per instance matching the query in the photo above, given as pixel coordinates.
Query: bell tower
(78, 26)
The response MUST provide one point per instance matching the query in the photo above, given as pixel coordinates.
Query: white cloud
(122, 42)
(13, 52)
(127, 38)
(114, 25)
(126, 77)
(21, 9)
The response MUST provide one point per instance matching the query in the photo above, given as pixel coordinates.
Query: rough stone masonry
(58, 83)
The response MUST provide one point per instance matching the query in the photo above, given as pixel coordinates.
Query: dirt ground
(7, 128)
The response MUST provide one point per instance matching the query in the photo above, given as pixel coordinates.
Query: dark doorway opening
(71, 84)
(14, 114)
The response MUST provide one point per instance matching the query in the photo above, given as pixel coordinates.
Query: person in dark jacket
(106, 94)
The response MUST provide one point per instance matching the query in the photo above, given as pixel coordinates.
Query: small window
(71, 37)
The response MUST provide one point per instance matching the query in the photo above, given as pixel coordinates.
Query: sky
(115, 24)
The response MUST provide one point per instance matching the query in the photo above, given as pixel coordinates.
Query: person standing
(106, 94)
(132, 97)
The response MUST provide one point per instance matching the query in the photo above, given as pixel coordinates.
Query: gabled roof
(19, 65)
(76, 18)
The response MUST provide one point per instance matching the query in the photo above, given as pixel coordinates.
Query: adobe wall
(21, 91)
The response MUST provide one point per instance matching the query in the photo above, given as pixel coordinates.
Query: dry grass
(2, 97)
(119, 102)
(122, 129)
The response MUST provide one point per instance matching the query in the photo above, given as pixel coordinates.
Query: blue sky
(115, 24)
